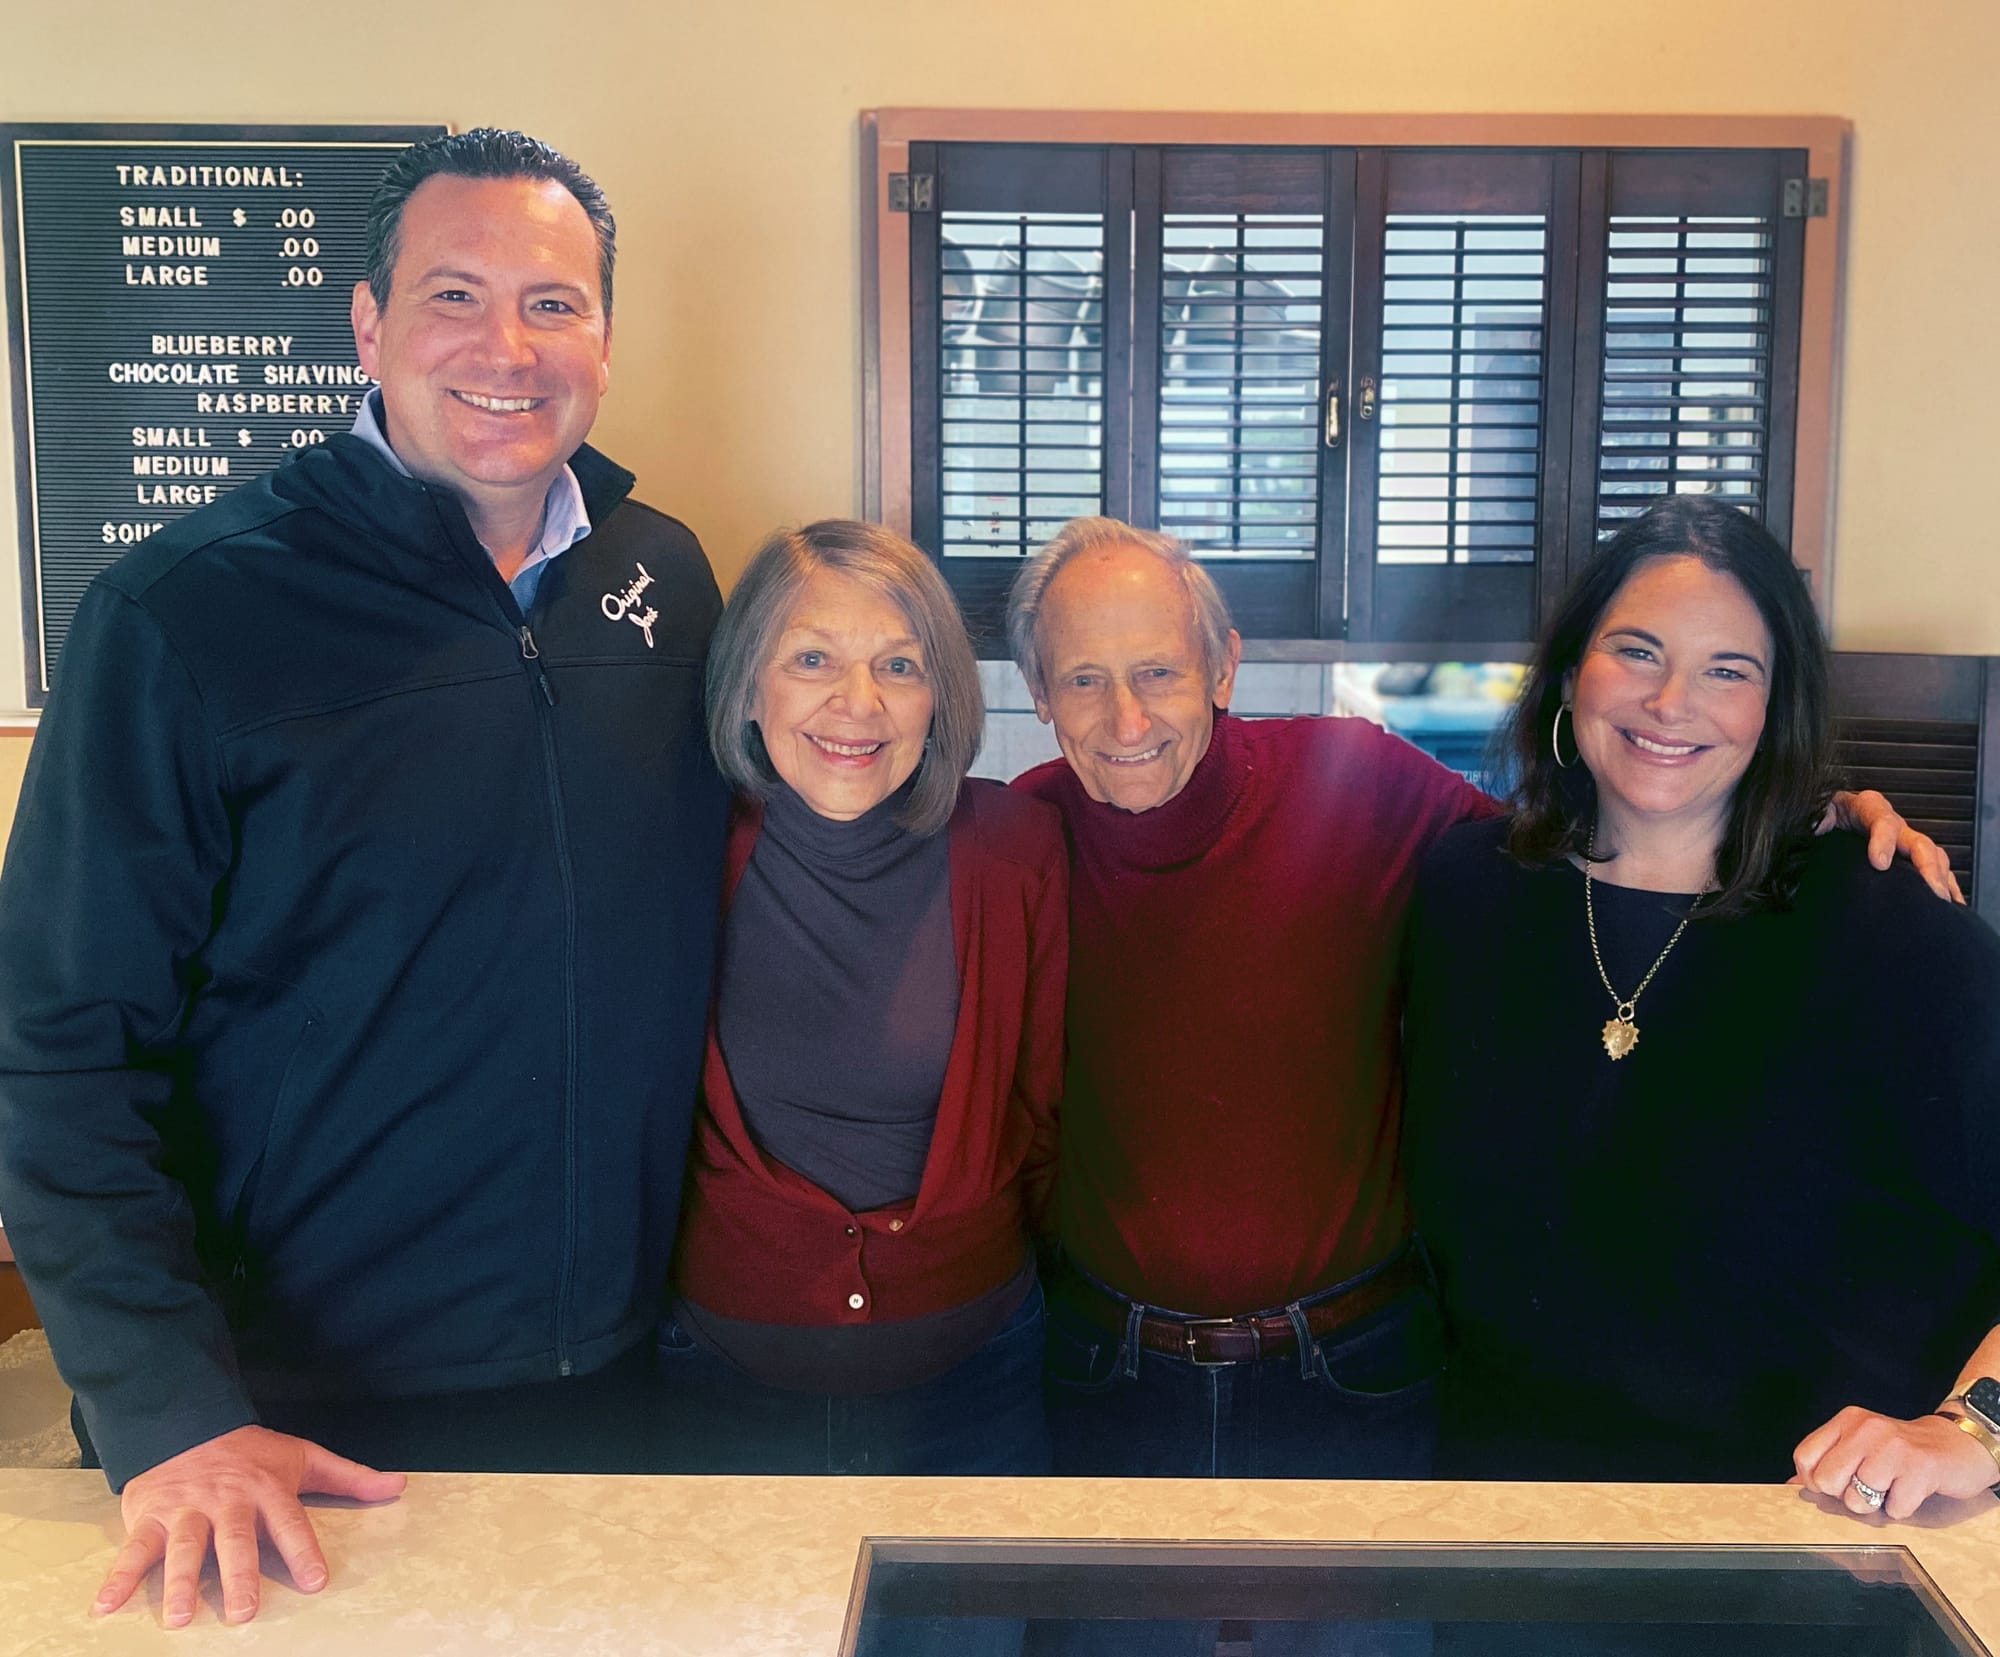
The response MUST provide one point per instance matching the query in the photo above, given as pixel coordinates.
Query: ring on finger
(1867, 1492)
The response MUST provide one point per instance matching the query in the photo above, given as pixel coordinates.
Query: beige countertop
(582, 1566)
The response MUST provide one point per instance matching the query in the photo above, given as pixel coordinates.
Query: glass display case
(1214, 1599)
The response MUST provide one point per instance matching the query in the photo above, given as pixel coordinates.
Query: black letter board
(177, 304)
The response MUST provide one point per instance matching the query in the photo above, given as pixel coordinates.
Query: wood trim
(1143, 438)
(1821, 314)
(871, 324)
(1558, 480)
(1827, 139)
(887, 436)
(17, 1311)
(1772, 132)
(1121, 343)
(1364, 356)
(1586, 414)
(1985, 897)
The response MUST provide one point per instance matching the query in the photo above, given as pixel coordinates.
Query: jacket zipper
(502, 597)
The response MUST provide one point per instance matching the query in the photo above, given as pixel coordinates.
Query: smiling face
(1669, 699)
(493, 348)
(1132, 705)
(844, 702)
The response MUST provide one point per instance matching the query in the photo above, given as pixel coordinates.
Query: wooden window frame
(888, 134)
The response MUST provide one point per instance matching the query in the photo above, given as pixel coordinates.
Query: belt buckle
(1239, 1325)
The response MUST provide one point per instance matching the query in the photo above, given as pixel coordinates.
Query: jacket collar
(350, 482)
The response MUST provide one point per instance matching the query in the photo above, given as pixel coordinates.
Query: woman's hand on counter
(1909, 1461)
(219, 1495)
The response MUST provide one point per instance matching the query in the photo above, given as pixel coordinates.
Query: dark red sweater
(1230, 1119)
(760, 1241)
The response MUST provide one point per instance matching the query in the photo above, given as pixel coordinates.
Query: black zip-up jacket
(355, 944)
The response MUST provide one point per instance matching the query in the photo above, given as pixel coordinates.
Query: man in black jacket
(357, 923)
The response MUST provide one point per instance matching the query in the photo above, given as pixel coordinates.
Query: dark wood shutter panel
(1464, 325)
(1699, 334)
(1463, 259)
(1020, 377)
(1925, 730)
(1929, 768)
(1019, 407)
(1391, 395)
(1240, 336)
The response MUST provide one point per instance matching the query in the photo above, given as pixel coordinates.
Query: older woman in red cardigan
(854, 1289)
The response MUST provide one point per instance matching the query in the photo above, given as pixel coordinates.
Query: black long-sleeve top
(1786, 1200)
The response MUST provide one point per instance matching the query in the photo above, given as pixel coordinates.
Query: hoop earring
(1555, 737)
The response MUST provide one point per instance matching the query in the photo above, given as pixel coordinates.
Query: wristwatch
(1976, 1413)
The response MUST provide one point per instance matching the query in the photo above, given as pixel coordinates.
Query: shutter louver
(1464, 310)
(1021, 377)
(1687, 363)
(1240, 319)
(1929, 769)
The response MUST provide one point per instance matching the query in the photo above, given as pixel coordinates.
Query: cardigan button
(851, 1231)
(895, 1225)
(856, 1302)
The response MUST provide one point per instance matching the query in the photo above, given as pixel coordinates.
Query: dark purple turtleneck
(838, 995)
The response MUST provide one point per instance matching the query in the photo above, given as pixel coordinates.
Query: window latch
(1333, 413)
(1367, 409)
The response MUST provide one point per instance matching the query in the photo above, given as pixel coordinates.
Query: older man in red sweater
(1240, 1295)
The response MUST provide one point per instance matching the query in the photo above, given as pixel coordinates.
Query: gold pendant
(1620, 1036)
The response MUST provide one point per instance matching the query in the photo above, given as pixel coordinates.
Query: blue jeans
(1358, 1403)
(983, 1415)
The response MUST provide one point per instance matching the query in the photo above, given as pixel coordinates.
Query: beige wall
(13, 759)
(725, 134)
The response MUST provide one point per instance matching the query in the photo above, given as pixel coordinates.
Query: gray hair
(762, 603)
(1208, 610)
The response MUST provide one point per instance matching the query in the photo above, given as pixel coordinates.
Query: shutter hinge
(1804, 198)
(912, 192)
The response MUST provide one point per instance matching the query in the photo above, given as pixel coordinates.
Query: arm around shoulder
(1038, 845)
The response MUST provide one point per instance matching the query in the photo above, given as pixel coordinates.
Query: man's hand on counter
(220, 1494)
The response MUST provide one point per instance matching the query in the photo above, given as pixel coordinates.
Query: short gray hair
(761, 604)
(1207, 608)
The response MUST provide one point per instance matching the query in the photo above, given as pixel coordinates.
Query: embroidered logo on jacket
(624, 604)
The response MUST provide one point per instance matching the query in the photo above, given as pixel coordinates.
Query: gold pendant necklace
(1620, 1035)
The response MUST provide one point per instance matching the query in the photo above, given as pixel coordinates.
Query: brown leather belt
(1254, 1334)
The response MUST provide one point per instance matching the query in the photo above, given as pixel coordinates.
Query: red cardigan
(763, 1242)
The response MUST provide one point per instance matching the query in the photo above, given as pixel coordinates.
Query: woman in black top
(1702, 1113)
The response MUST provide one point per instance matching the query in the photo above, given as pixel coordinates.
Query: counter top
(467, 1563)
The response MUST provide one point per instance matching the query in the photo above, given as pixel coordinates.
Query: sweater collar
(860, 846)
(1188, 825)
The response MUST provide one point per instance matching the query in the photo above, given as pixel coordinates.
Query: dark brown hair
(484, 152)
(1784, 790)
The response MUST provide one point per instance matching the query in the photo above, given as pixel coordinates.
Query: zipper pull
(532, 655)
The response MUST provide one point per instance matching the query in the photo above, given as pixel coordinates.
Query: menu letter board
(177, 302)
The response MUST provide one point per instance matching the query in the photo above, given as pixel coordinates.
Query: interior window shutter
(1240, 342)
(1690, 326)
(1020, 414)
(1464, 260)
